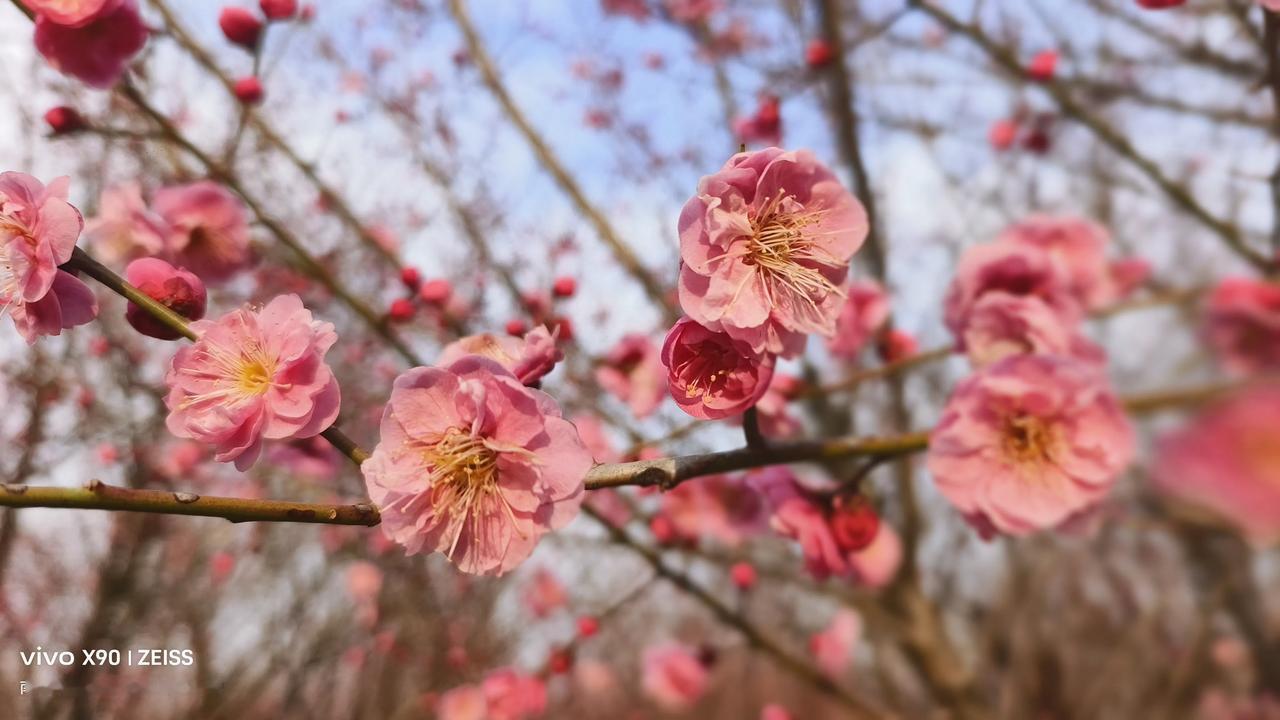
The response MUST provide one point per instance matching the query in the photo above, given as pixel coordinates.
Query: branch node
(94, 485)
(185, 497)
(14, 488)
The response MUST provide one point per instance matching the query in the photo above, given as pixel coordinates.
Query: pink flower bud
(818, 53)
(1042, 65)
(248, 90)
(564, 287)
(516, 327)
(854, 523)
(175, 288)
(411, 278)
(1002, 135)
(401, 310)
(63, 120)
(588, 626)
(241, 27)
(744, 575)
(436, 292)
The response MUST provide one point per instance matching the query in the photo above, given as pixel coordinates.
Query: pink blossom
(764, 127)
(175, 288)
(633, 373)
(544, 594)
(253, 375)
(673, 677)
(38, 232)
(511, 695)
(1079, 246)
(124, 228)
(832, 649)
(592, 432)
(528, 358)
(364, 582)
(71, 13)
(719, 507)
(711, 375)
(311, 458)
(1028, 442)
(1228, 461)
(773, 408)
(1128, 274)
(208, 231)
(800, 514)
(865, 311)
(465, 702)
(1242, 325)
(876, 565)
(474, 465)
(774, 711)
(1001, 325)
(97, 51)
(1021, 270)
(765, 246)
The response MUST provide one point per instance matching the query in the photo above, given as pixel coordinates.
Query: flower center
(254, 376)
(1028, 440)
(779, 245)
(462, 460)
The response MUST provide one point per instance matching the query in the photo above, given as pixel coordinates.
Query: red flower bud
(64, 120)
(744, 575)
(411, 277)
(561, 661)
(436, 292)
(564, 287)
(662, 528)
(240, 26)
(1002, 134)
(1042, 65)
(517, 327)
(279, 9)
(248, 90)
(854, 523)
(401, 310)
(588, 626)
(563, 328)
(818, 53)
(175, 288)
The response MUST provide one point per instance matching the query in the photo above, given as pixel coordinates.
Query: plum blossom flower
(473, 464)
(876, 565)
(811, 520)
(1242, 324)
(1026, 443)
(1227, 460)
(711, 375)
(544, 593)
(720, 507)
(1079, 246)
(776, 420)
(253, 375)
(765, 247)
(97, 50)
(865, 311)
(512, 695)
(632, 372)
(1021, 270)
(311, 458)
(1002, 325)
(71, 13)
(38, 232)
(124, 228)
(673, 676)
(175, 288)
(528, 358)
(207, 230)
(764, 126)
(832, 648)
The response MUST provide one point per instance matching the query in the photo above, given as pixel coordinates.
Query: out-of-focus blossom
(673, 676)
(240, 27)
(1021, 270)
(774, 711)
(711, 375)
(774, 408)
(865, 311)
(544, 594)
(207, 229)
(279, 9)
(832, 649)
(124, 228)
(1003, 134)
(71, 13)
(719, 507)
(311, 458)
(1042, 65)
(528, 358)
(96, 52)
(818, 53)
(512, 695)
(473, 464)
(253, 376)
(744, 575)
(1078, 246)
(175, 288)
(692, 11)
(1002, 325)
(248, 90)
(465, 702)
(364, 582)
(764, 126)
(1228, 461)
(38, 232)
(1028, 442)
(1216, 704)
(637, 10)
(876, 565)
(765, 247)
(802, 515)
(632, 372)
(1242, 325)
(897, 345)
(64, 120)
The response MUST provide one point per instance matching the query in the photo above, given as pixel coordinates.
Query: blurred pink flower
(124, 228)
(803, 516)
(364, 582)
(633, 373)
(611, 506)
(175, 288)
(1001, 325)
(774, 711)
(765, 246)
(592, 432)
(475, 465)
(312, 458)
(97, 51)
(711, 375)
(1242, 324)
(1079, 246)
(1228, 460)
(208, 231)
(719, 507)
(876, 565)
(764, 127)
(1021, 270)
(832, 649)
(528, 358)
(544, 594)
(465, 702)
(776, 420)
(511, 695)
(865, 311)
(253, 375)
(1028, 442)
(71, 13)
(673, 676)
